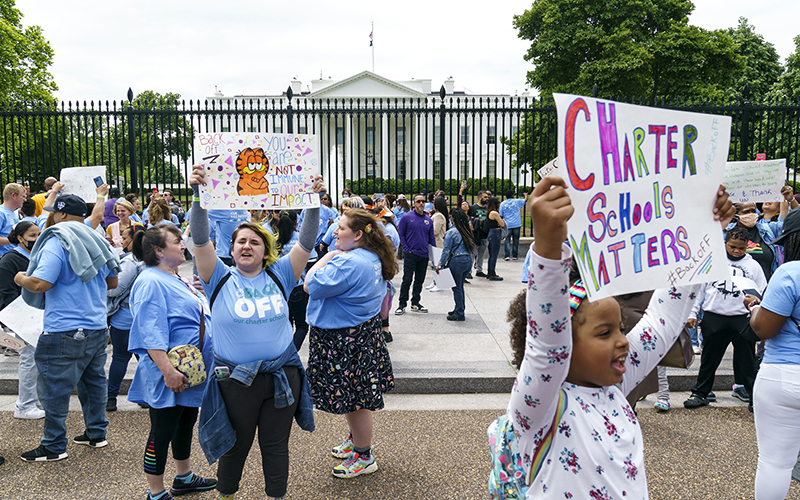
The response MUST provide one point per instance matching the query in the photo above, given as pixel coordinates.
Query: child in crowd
(569, 429)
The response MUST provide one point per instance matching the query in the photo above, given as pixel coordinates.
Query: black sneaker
(451, 317)
(197, 483)
(480, 274)
(399, 311)
(42, 454)
(94, 443)
(695, 401)
(741, 394)
(164, 496)
(111, 404)
(418, 308)
(387, 337)
(468, 277)
(495, 277)
(712, 398)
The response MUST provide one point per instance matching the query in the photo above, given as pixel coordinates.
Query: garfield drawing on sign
(252, 166)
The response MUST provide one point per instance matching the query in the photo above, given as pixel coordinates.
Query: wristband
(196, 198)
(753, 304)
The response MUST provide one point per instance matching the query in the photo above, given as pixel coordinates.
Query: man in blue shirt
(416, 233)
(14, 196)
(71, 350)
(510, 212)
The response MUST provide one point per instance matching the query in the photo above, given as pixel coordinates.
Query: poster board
(755, 181)
(8, 339)
(24, 320)
(643, 182)
(80, 181)
(256, 171)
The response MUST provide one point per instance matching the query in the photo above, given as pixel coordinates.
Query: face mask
(748, 220)
(27, 245)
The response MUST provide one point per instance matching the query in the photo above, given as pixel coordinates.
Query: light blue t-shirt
(70, 303)
(251, 315)
(173, 221)
(398, 214)
(325, 214)
(391, 233)
(347, 291)
(329, 237)
(8, 219)
(136, 218)
(783, 298)
(166, 313)
(225, 223)
(510, 212)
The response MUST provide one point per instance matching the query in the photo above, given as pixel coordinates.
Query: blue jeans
(696, 333)
(119, 360)
(495, 235)
(459, 267)
(64, 362)
(513, 232)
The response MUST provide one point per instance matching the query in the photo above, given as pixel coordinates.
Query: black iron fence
(369, 145)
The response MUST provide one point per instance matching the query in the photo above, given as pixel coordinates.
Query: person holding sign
(258, 380)
(349, 368)
(776, 401)
(568, 409)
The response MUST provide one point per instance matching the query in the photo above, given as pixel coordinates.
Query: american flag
(370, 39)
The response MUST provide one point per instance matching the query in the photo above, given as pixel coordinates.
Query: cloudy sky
(245, 47)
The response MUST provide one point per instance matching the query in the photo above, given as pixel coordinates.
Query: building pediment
(365, 85)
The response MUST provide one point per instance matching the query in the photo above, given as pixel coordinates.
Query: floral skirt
(349, 368)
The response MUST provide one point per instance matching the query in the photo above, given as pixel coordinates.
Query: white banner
(80, 181)
(754, 181)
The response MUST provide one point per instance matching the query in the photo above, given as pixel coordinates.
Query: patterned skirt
(349, 368)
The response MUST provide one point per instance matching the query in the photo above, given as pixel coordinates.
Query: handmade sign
(751, 181)
(8, 339)
(643, 182)
(80, 181)
(257, 171)
(26, 321)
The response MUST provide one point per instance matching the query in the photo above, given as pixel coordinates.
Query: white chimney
(449, 85)
(296, 86)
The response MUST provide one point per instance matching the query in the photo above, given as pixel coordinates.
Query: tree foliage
(762, 63)
(25, 56)
(628, 48)
(788, 84)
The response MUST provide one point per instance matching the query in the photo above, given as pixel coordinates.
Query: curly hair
(373, 239)
(738, 233)
(270, 244)
(517, 315)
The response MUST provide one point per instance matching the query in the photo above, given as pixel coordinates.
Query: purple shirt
(108, 213)
(416, 233)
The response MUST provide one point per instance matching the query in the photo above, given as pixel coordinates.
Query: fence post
(441, 139)
(132, 145)
(744, 134)
(289, 120)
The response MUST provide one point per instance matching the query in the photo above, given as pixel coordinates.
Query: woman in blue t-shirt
(167, 312)
(776, 394)
(349, 368)
(252, 335)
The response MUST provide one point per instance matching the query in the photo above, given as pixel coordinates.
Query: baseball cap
(69, 204)
(790, 225)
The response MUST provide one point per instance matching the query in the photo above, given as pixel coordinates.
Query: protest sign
(257, 171)
(26, 321)
(8, 339)
(752, 181)
(80, 181)
(643, 182)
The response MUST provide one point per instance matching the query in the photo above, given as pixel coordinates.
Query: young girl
(575, 435)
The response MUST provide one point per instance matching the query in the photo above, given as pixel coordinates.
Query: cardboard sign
(256, 171)
(80, 181)
(26, 321)
(10, 340)
(643, 182)
(752, 181)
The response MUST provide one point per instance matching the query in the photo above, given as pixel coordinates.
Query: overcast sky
(245, 47)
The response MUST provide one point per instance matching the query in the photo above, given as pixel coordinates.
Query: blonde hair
(126, 205)
(270, 245)
(12, 188)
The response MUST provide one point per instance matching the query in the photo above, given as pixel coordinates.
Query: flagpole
(373, 46)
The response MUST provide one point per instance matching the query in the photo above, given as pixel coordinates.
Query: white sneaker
(696, 349)
(435, 288)
(431, 286)
(32, 414)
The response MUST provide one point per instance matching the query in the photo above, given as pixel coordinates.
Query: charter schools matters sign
(252, 170)
(643, 182)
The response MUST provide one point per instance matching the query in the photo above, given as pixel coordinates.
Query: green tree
(762, 63)
(25, 56)
(628, 48)
(788, 84)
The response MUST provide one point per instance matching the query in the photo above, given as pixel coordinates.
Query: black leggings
(251, 407)
(169, 425)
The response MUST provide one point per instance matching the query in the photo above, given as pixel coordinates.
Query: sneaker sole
(366, 470)
(98, 444)
(177, 493)
(49, 458)
(692, 406)
(740, 398)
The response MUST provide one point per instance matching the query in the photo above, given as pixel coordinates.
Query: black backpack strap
(217, 289)
(277, 282)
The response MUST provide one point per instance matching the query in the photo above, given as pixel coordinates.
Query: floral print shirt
(595, 449)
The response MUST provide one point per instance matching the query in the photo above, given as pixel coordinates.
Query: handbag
(188, 359)
(681, 354)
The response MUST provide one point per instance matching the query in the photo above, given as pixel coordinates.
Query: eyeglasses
(419, 201)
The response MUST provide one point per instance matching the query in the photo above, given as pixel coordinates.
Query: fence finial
(442, 92)
(289, 93)
(130, 95)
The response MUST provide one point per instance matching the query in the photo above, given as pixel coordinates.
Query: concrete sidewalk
(431, 355)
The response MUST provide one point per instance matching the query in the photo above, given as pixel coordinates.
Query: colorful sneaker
(355, 466)
(344, 450)
(662, 404)
(42, 454)
(94, 443)
(195, 483)
(164, 496)
(418, 308)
